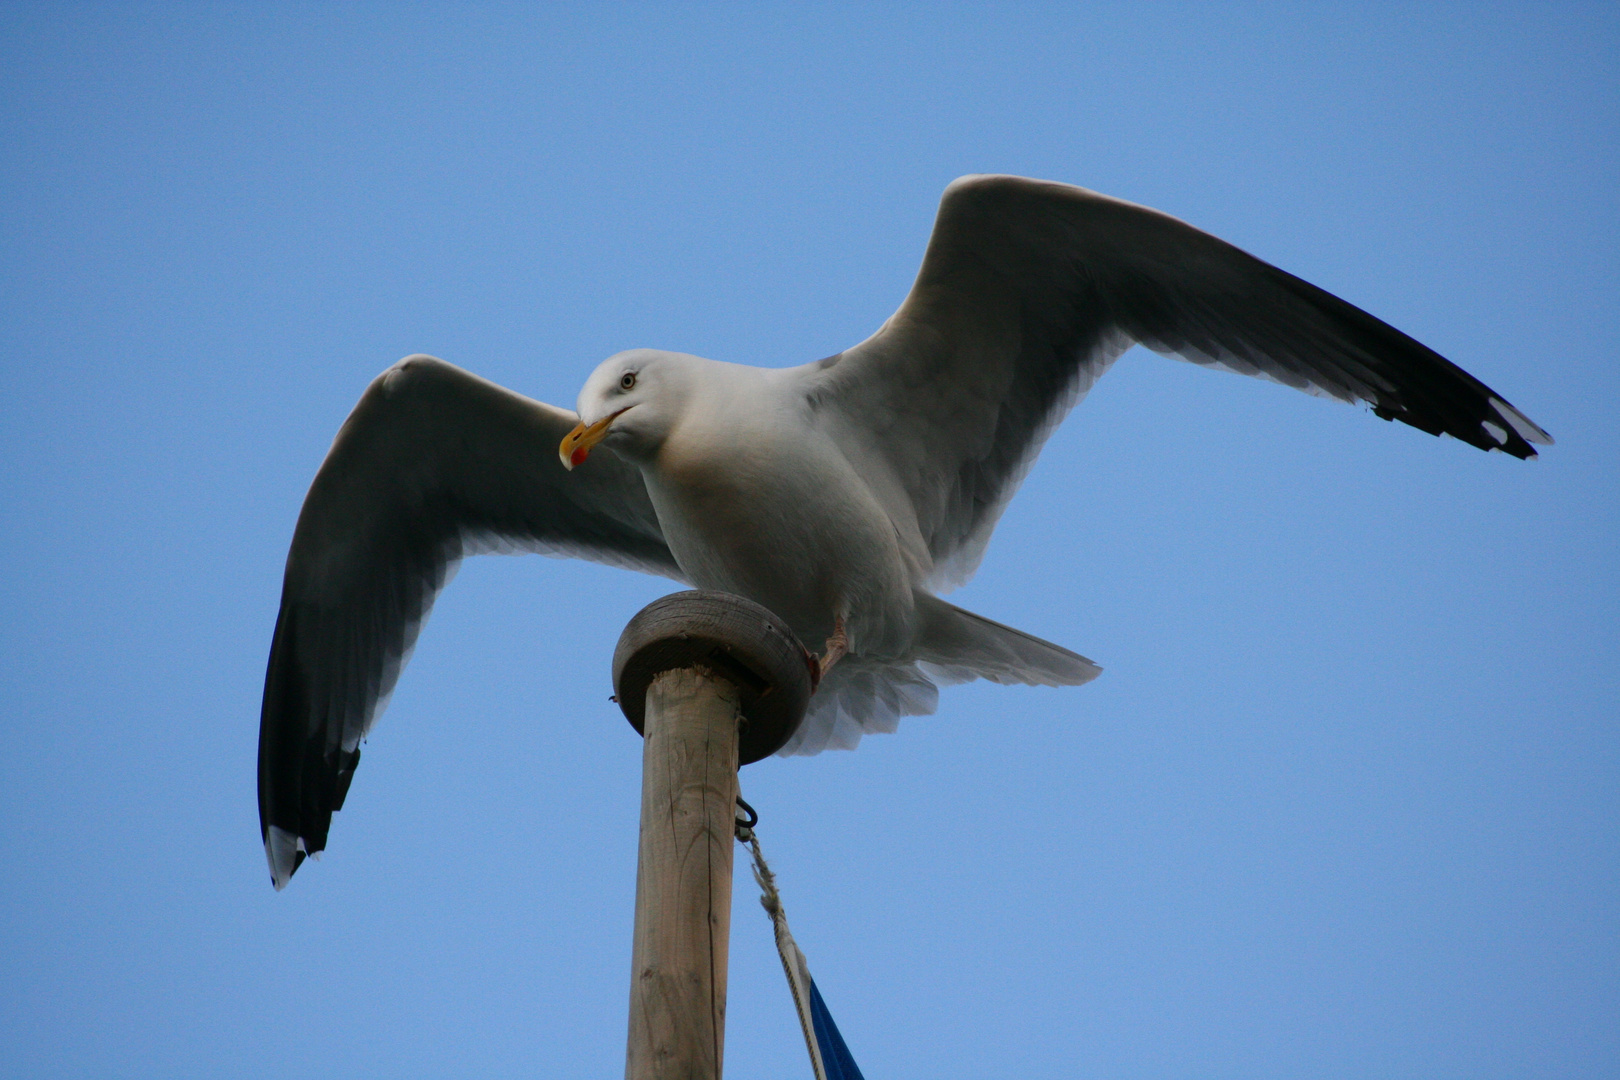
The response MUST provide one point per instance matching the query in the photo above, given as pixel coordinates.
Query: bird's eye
(627, 380)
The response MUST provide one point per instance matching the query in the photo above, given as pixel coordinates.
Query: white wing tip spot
(281, 848)
(1528, 430)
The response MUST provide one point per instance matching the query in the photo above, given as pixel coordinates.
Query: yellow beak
(576, 445)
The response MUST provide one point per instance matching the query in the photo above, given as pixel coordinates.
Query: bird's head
(631, 401)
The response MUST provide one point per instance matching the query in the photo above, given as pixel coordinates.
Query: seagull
(843, 494)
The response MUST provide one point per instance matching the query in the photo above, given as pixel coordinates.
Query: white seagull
(842, 494)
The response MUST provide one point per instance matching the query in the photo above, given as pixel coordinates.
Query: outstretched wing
(433, 463)
(1030, 290)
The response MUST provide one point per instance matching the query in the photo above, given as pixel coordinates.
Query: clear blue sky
(1343, 804)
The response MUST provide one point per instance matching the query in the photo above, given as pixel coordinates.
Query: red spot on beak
(580, 454)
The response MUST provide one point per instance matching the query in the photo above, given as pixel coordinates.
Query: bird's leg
(837, 646)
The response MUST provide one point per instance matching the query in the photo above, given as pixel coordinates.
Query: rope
(794, 964)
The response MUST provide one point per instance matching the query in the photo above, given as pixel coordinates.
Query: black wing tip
(286, 847)
(301, 780)
(1496, 426)
(1514, 428)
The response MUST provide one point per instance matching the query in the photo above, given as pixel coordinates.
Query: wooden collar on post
(738, 641)
(712, 681)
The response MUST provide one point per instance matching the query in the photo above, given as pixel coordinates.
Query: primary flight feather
(842, 494)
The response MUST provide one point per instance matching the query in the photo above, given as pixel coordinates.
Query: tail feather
(862, 695)
(965, 645)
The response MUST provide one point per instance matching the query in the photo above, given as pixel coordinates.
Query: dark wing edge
(433, 463)
(1029, 290)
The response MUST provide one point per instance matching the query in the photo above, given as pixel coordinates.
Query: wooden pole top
(734, 638)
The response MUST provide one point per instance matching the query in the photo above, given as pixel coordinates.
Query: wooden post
(683, 878)
(712, 681)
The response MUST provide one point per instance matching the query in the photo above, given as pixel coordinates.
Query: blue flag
(835, 1056)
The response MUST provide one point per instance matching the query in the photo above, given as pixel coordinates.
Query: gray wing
(1028, 292)
(433, 463)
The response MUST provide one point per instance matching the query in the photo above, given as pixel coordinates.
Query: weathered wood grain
(683, 879)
